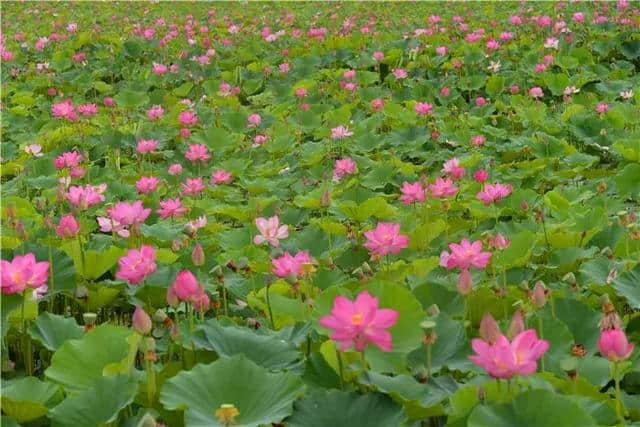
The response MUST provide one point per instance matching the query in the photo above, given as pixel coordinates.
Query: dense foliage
(320, 214)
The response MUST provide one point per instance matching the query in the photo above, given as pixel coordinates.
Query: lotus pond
(320, 214)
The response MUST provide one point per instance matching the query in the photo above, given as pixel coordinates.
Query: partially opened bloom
(453, 169)
(613, 345)
(68, 159)
(22, 272)
(129, 214)
(343, 167)
(155, 112)
(68, 226)
(443, 187)
(492, 193)
(187, 118)
(423, 108)
(192, 186)
(254, 120)
(465, 255)
(291, 265)
(360, 322)
(34, 149)
(385, 239)
(64, 110)
(504, 359)
(198, 152)
(186, 287)
(171, 208)
(109, 225)
(340, 132)
(221, 177)
(412, 193)
(147, 146)
(270, 231)
(147, 184)
(85, 197)
(137, 265)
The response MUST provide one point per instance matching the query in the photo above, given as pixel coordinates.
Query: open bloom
(340, 132)
(192, 186)
(68, 159)
(289, 265)
(412, 193)
(22, 272)
(68, 227)
(453, 169)
(270, 231)
(147, 184)
(385, 239)
(87, 196)
(344, 167)
(221, 177)
(254, 120)
(424, 108)
(465, 255)
(109, 225)
(34, 149)
(64, 110)
(155, 112)
(187, 118)
(443, 187)
(492, 193)
(198, 152)
(129, 214)
(137, 265)
(88, 110)
(147, 146)
(171, 208)
(360, 322)
(504, 359)
(613, 345)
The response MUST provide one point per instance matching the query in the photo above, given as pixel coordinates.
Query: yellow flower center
(16, 276)
(356, 319)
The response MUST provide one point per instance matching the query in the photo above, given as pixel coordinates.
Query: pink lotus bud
(481, 175)
(613, 345)
(185, 133)
(539, 295)
(141, 321)
(109, 102)
(68, 227)
(51, 91)
(197, 256)
(489, 329)
(517, 325)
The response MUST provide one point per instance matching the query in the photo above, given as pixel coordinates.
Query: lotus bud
(464, 282)
(197, 256)
(481, 394)
(141, 321)
(539, 295)
(489, 329)
(433, 310)
(517, 325)
(524, 206)
(325, 201)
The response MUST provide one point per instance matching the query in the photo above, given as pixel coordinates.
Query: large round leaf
(268, 351)
(260, 397)
(535, 408)
(53, 330)
(341, 409)
(28, 398)
(97, 405)
(79, 363)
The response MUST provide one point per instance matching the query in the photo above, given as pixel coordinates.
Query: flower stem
(273, 325)
(340, 369)
(428, 361)
(616, 378)
(151, 382)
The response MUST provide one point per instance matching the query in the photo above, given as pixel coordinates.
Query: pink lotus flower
(147, 184)
(196, 224)
(137, 265)
(192, 186)
(301, 92)
(378, 56)
(175, 169)
(344, 167)
(493, 193)
(129, 214)
(340, 132)
(349, 74)
(477, 140)
(504, 359)
(85, 197)
(69, 159)
(400, 73)
(254, 120)
(441, 50)
(159, 69)
(155, 112)
(453, 169)
(480, 175)
(465, 255)
(385, 239)
(259, 139)
(270, 231)
(500, 241)
(34, 149)
(141, 321)
(377, 104)
(87, 110)
(536, 92)
(284, 67)
(480, 101)
(613, 345)
(21, 273)
(358, 323)
(185, 287)
(108, 101)
(221, 177)
(602, 108)
(109, 225)
(64, 110)
(171, 208)
(187, 118)
(288, 265)
(412, 193)
(198, 152)
(68, 227)
(147, 146)
(424, 108)
(443, 188)
(201, 303)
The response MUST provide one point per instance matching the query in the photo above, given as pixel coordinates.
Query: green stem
(340, 369)
(428, 361)
(540, 327)
(273, 325)
(151, 382)
(51, 280)
(616, 378)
